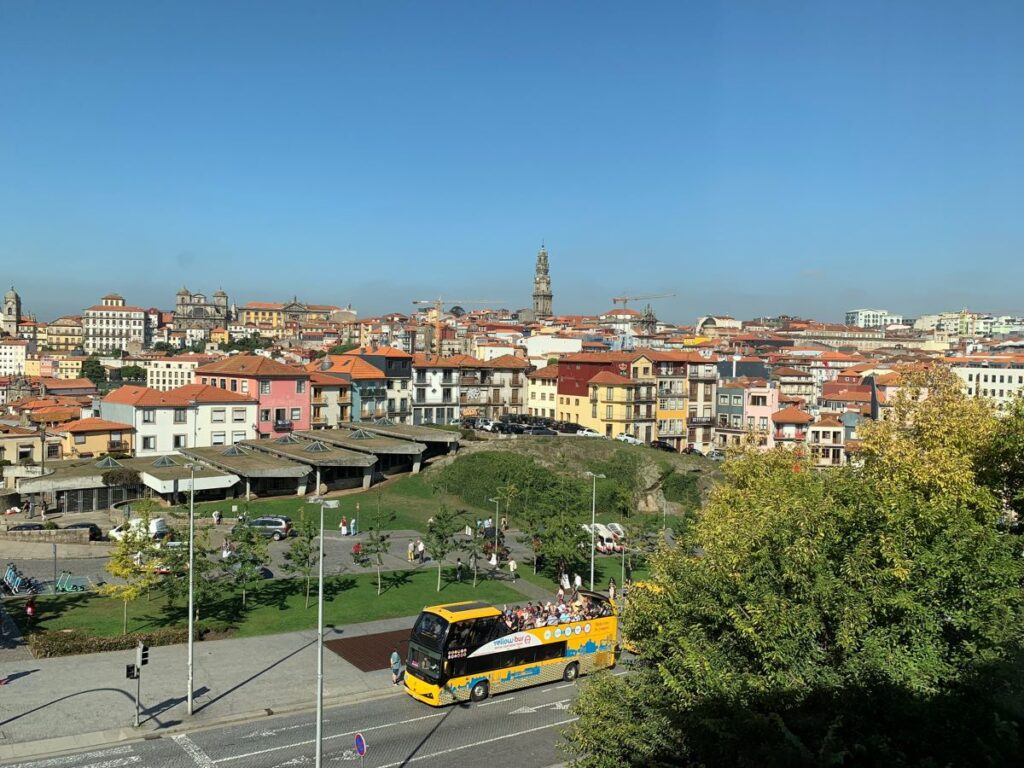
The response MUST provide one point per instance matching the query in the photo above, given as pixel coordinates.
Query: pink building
(760, 402)
(281, 390)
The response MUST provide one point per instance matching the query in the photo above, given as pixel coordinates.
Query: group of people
(417, 550)
(533, 615)
(346, 527)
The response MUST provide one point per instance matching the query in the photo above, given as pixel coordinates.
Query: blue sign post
(360, 747)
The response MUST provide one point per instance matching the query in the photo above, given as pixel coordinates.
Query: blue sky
(751, 157)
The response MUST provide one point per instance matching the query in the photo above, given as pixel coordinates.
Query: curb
(65, 745)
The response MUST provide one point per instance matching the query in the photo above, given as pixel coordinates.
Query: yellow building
(262, 313)
(541, 391)
(620, 404)
(220, 336)
(670, 371)
(68, 367)
(65, 335)
(95, 437)
(25, 445)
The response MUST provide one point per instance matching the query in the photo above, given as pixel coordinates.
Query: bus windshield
(424, 664)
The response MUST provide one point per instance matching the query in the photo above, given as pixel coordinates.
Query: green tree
(866, 615)
(377, 541)
(473, 547)
(133, 373)
(175, 558)
(563, 544)
(131, 564)
(249, 558)
(302, 557)
(124, 477)
(94, 371)
(163, 346)
(341, 349)
(441, 538)
(1001, 463)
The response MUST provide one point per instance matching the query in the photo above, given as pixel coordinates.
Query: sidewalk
(78, 701)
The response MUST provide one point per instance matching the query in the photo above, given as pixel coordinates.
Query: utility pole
(593, 523)
(331, 504)
(191, 577)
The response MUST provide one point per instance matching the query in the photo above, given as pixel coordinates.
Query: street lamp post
(495, 521)
(324, 504)
(593, 523)
(191, 575)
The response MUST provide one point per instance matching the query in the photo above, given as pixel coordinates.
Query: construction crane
(624, 300)
(438, 305)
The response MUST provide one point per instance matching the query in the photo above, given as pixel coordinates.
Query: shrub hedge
(73, 642)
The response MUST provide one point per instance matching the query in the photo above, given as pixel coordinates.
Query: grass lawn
(273, 606)
(605, 567)
(411, 498)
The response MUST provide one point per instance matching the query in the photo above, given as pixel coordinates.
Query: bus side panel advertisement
(507, 643)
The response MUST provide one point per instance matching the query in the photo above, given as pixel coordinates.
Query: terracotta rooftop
(251, 365)
(505, 361)
(547, 372)
(95, 425)
(354, 367)
(792, 416)
(610, 379)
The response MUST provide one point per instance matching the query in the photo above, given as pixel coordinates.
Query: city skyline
(754, 161)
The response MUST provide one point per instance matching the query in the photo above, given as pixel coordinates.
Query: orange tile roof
(792, 416)
(826, 421)
(251, 365)
(787, 371)
(52, 384)
(611, 379)
(55, 414)
(547, 372)
(378, 351)
(95, 425)
(327, 380)
(505, 361)
(205, 393)
(355, 367)
(262, 305)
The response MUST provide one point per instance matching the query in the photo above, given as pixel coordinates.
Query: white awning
(182, 485)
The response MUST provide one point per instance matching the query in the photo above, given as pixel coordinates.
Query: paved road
(520, 729)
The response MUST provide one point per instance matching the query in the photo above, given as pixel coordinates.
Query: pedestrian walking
(563, 580)
(513, 566)
(216, 517)
(473, 562)
(421, 550)
(411, 552)
(577, 582)
(458, 569)
(396, 666)
(343, 526)
(611, 589)
(352, 527)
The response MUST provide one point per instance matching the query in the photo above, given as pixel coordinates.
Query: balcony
(702, 374)
(319, 421)
(319, 400)
(700, 421)
(117, 446)
(474, 381)
(283, 426)
(799, 435)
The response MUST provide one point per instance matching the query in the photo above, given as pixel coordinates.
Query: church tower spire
(542, 286)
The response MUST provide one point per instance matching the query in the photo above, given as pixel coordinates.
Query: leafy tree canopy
(867, 615)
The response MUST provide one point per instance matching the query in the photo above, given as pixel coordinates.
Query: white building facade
(112, 325)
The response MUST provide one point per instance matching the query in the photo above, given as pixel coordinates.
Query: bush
(74, 642)
(681, 488)
(49, 525)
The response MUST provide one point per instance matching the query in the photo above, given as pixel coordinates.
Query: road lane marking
(479, 743)
(567, 685)
(54, 762)
(326, 738)
(496, 701)
(194, 751)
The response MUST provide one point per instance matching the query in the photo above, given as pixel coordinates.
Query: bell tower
(542, 286)
(12, 312)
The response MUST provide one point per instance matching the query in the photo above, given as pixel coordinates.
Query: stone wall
(55, 536)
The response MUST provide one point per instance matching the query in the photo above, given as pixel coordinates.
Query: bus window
(423, 664)
(472, 634)
(429, 630)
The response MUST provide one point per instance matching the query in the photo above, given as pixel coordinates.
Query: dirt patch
(371, 652)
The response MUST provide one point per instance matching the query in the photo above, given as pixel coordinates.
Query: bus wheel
(479, 691)
(571, 672)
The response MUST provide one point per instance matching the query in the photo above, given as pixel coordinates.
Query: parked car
(693, 451)
(157, 528)
(276, 528)
(540, 431)
(95, 533)
(661, 445)
(485, 424)
(568, 427)
(587, 432)
(716, 454)
(27, 527)
(625, 437)
(617, 531)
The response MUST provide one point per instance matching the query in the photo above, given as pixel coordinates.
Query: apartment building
(872, 318)
(13, 355)
(397, 368)
(791, 426)
(702, 380)
(113, 325)
(493, 388)
(619, 404)
(436, 390)
(795, 384)
(368, 394)
(197, 415)
(86, 438)
(282, 391)
(826, 440)
(331, 400)
(575, 373)
(166, 373)
(999, 378)
(542, 391)
(65, 334)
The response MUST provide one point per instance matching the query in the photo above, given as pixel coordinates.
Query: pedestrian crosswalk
(115, 757)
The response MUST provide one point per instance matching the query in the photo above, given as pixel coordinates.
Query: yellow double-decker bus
(466, 651)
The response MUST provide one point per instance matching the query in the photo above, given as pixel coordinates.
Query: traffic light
(129, 671)
(142, 655)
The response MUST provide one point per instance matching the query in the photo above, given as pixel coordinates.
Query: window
(723, 399)
(609, 393)
(180, 416)
(217, 438)
(300, 386)
(148, 416)
(237, 437)
(238, 414)
(737, 399)
(245, 386)
(79, 439)
(179, 441)
(264, 387)
(264, 414)
(218, 415)
(234, 385)
(296, 414)
(593, 411)
(53, 451)
(149, 443)
(608, 410)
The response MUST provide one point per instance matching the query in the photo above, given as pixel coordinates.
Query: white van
(157, 528)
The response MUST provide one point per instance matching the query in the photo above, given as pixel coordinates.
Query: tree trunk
(124, 628)
(307, 591)
(474, 576)
(378, 579)
(243, 596)
(439, 575)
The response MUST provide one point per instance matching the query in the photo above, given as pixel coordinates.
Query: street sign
(360, 745)
(129, 671)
